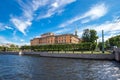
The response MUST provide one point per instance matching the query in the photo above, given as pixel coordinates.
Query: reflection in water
(14, 67)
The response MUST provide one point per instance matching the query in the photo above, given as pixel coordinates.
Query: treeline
(110, 43)
(10, 48)
(2, 48)
(62, 47)
(114, 41)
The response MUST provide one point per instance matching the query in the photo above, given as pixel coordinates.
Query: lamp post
(102, 41)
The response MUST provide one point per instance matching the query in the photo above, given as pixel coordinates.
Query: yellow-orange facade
(50, 38)
(35, 41)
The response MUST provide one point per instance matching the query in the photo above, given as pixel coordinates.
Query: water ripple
(14, 67)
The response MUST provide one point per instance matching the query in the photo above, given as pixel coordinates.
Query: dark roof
(47, 33)
(55, 35)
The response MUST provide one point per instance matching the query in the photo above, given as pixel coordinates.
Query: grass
(81, 52)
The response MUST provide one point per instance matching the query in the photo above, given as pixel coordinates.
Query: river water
(15, 67)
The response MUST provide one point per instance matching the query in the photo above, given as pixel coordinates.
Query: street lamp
(103, 41)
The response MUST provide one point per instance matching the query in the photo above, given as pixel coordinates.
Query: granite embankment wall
(10, 53)
(77, 56)
(115, 56)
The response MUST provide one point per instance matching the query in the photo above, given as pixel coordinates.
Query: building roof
(55, 35)
(47, 33)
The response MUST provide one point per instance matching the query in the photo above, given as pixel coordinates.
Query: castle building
(51, 38)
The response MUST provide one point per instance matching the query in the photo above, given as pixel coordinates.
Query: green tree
(107, 44)
(114, 41)
(12, 46)
(86, 35)
(89, 35)
(93, 36)
(1, 48)
(100, 45)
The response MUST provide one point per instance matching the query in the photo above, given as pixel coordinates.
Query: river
(15, 67)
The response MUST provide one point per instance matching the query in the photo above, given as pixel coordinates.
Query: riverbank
(66, 55)
(75, 56)
(101, 56)
(9, 53)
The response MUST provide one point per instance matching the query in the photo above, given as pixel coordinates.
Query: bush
(86, 46)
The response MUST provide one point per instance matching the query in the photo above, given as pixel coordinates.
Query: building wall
(68, 39)
(74, 40)
(42, 41)
(35, 41)
(58, 39)
(63, 39)
(50, 40)
(47, 40)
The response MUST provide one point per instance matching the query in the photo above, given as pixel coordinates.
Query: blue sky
(22, 20)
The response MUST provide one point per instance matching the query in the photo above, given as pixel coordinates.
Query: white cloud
(55, 4)
(21, 25)
(22, 40)
(37, 36)
(110, 28)
(18, 40)
(25, 20)
(56, 7)
(23, 43)
(94, 13)
(8, 27)
(61, 31)
(4, 27)
(3, 40)
(38, 3)
(113, 26)
(29, 11)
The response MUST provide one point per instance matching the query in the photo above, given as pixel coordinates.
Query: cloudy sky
(22, 20)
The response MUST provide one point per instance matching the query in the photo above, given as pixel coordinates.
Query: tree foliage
(89, 35)
(114, 41)
(62, 47)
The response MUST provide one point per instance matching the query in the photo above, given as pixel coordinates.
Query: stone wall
(78, 56)
(12, 53)
(68, 55)
(117, 54)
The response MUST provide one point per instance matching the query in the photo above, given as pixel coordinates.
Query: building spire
(76, 31)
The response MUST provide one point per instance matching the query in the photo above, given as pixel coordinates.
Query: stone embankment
(113, 56)
(117, 54)
(77, 56)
